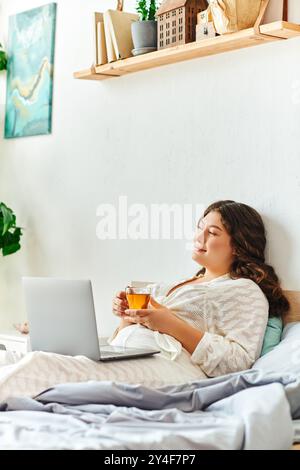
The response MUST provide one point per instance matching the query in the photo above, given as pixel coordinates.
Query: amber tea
(138, 297)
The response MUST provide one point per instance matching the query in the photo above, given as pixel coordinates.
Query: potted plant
(3, 58)
(144, 32)
(10, 234)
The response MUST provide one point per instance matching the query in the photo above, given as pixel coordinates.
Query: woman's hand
(159, 318)
(120, 304)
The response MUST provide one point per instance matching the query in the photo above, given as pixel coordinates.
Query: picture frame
(31, 43)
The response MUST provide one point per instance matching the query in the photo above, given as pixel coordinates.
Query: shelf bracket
(94, 72)
(257, 24)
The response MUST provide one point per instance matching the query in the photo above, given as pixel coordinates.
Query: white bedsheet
(37, 371)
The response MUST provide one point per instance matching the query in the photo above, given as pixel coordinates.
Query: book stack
(113, 39)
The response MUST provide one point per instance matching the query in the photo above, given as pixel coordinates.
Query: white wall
(220, 127)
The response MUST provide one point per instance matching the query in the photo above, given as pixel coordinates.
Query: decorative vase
(144, 36)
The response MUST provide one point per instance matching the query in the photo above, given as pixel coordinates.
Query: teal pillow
(272, 335)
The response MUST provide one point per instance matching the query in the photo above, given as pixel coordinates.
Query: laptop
(62, 320)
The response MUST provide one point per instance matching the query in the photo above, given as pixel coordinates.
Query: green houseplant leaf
(8, 218)
(146, 12)
(141, 8)
(10, 234)
(3, 59)
(152, 10)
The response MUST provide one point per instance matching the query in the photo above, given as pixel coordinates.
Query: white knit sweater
(233, 315)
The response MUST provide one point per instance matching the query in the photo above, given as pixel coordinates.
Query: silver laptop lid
(61, 316)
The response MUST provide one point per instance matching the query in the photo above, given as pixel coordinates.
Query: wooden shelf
(271, 32)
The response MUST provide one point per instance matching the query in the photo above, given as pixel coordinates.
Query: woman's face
(212, 244)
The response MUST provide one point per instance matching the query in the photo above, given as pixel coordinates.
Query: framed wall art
(31, 43)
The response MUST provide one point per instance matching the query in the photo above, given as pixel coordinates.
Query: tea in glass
(138, 297)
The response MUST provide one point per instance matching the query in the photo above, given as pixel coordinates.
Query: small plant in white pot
(10, 236)
(144, 32)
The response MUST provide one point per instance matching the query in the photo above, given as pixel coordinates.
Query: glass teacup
(138, 297)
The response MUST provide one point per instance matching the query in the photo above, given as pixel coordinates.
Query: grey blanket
(248, 410)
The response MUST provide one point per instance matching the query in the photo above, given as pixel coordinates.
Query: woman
(206, 326)
(219, 316)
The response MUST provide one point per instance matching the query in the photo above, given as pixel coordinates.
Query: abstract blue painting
(31, 41)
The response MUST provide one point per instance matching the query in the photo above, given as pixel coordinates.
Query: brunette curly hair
(248, 238)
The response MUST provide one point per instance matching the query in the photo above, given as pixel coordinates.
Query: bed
(294, 316)
(255, 409)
